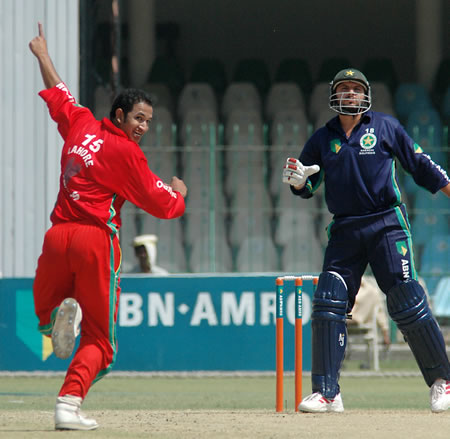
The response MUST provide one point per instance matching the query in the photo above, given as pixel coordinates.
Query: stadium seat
(445, 106)
(279, 191)
(290, 127)
(302, 256)
(324, 116)
(249, 223)
(382, 99)
(162, 130)
(212, 71)
(386, 109)
(246, 166)
(128, 231)
(196, 96)
(441, 299)
(196, 165)
(160, 95)
(381, 69)
(103, 100)
(409, 97)
(170, 229)
(197, 227)
(442, 79)
(257, 254)
(199, 194)
(428, 202)
(319, 100)
(201, 256)
(250, 208)
(277, 159)
(435, 260)
(171, 255)
(294, 224)
(330, 66)
(425, 127)
(295, 70)
(166, 70)
(283, 96)
(426, 224)
(285, 199)
(244, 127)
(240, 95)
(162, 160)
(253, 70)
(198, 201)
(249, 191)
(408, 186)
(199, 127)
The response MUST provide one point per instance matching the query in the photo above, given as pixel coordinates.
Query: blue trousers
(382, 240)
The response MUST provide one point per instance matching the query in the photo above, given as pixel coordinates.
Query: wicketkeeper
(353, 154)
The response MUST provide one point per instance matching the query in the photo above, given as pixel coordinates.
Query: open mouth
(137, 136)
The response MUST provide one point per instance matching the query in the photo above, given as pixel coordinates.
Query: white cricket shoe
(68, 415)
(317, 403)
(66, 328)
(440, 396)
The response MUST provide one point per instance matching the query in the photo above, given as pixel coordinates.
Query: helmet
(336, 99)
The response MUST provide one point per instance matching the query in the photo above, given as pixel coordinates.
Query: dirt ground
(242, 424)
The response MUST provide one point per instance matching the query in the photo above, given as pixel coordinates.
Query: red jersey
(101, 168)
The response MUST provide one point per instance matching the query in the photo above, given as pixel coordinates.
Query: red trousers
(83, 262)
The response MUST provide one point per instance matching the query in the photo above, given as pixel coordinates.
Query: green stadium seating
(295, 70)
(253, 70)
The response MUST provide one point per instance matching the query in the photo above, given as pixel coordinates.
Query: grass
(221, 407)
(210, 393)
(407, 364)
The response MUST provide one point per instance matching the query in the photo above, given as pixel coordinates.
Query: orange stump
(298, 342)
(298, 368)
(279, 345)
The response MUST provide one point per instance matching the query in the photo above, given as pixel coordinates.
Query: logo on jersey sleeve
(335, 145)
(402, 248)
(417, 149)
(64, 88)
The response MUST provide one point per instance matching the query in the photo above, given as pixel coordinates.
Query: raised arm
(38, 45)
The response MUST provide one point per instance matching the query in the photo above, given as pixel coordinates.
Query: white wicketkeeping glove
(295, 173)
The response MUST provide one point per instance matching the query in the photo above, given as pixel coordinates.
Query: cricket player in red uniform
(77, 277)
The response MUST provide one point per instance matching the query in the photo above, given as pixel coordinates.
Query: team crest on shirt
(368, 142)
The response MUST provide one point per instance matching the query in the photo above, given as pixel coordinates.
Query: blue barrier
(171, 323)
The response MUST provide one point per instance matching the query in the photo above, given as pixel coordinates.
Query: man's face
(137, 121)
(351, 94)
(141, 253)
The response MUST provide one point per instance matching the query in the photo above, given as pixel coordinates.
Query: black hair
(126, 100)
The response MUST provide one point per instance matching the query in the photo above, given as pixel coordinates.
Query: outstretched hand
(296, 174)
(38, 45)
